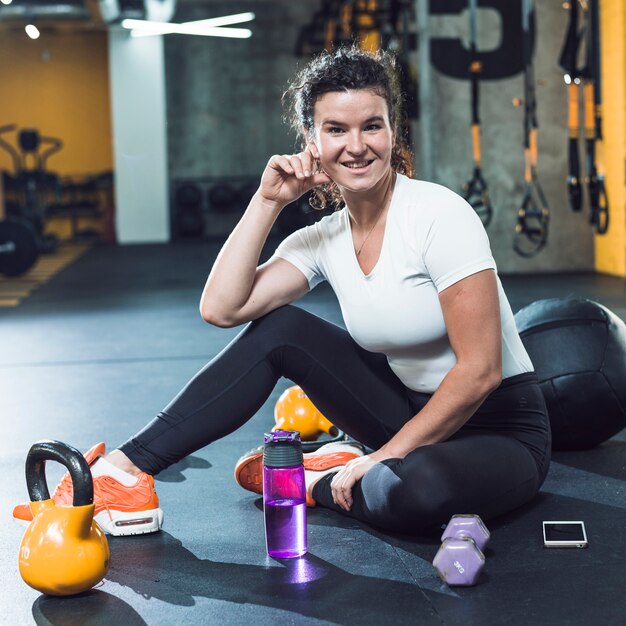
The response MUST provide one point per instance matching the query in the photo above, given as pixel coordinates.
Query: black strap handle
(476, 193)
(574, 190)
(71, 458)
(599, 201)
(533, 217)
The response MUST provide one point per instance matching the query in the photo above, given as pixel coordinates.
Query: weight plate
(18, 247)
(222, 197)
(188, 195)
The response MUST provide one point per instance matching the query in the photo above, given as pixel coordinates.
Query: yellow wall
(59, 84)
(611, 248)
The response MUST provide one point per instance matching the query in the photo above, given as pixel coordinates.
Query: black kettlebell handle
(71, 458)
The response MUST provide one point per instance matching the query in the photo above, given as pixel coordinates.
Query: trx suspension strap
(571, 75)
(475, 189)
(598, 200)
(346, 19)
(330, 29)
(366, 27)
(533, 216)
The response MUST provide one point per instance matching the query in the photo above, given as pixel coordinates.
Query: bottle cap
(282, 449)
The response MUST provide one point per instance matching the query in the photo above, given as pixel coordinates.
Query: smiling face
(354, 138)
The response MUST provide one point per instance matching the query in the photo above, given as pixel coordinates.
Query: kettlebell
(63, 550)
(294, 411)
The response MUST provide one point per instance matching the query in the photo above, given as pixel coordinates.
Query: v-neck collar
(350, 240)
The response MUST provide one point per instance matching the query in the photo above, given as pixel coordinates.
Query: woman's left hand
(342, 484)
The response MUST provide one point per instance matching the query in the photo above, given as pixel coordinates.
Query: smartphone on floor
(564, 534)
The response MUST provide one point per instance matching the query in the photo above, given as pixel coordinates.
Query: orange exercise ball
(294, 411)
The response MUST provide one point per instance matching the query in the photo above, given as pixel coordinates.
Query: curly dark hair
(348, 67)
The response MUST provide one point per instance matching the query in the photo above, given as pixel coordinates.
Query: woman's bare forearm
(228, 297)
(232, 276)
(458, 397)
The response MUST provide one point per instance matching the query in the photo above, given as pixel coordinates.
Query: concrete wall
(224, 116)
(224, 94)
(570, 242)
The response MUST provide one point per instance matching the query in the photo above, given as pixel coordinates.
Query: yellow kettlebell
(63, 550)
(294, 411)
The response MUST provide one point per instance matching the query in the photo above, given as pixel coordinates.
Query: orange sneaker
(120, 509)
(249, 468)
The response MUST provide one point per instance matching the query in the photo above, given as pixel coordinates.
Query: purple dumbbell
(460, 559)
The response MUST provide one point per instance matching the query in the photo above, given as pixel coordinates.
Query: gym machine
(21, 234)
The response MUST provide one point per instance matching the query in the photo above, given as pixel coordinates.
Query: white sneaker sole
(120, 524)
(339, 446)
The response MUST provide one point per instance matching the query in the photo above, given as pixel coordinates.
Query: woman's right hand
(288, 176)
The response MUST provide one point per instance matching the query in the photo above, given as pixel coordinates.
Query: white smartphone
(562, 534)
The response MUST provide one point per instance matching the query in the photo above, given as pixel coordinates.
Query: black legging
(496, 462)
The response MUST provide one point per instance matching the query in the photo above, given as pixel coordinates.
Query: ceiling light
(6, 1)
(180, 29)
(226, 20)
(32, 31)
(212, 27)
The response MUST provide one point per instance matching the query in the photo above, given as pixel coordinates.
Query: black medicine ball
(578, 348)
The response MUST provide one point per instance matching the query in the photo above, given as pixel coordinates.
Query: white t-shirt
(433, 238)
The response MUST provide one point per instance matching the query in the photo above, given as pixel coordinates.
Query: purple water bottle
(284, 495)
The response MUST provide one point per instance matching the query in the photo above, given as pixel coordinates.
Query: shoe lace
(111, 494)
(100, 495)
(64, 492)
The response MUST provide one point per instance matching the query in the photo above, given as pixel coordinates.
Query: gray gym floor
(101, 348)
